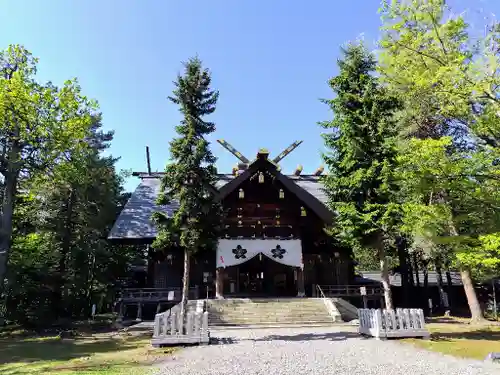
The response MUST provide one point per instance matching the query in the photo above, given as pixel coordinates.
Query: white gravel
(313, 351)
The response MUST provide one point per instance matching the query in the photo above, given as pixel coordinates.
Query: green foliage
(448, 79)
(61, 262)
(60, 197)
(362, 151)
(39, 123)
(190, 178)
(484, 258)
(450, 197)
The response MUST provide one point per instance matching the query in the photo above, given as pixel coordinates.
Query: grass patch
(461, 339)
(109, 354)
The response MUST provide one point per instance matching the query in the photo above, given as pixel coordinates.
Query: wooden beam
(148, 160)
(319, 171)
(298, 170)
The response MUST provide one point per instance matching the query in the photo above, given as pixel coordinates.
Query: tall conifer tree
(361, 157)
(191, 176)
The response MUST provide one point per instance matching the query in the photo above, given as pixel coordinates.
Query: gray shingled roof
(135, 219)
(395, 280)
(134, 222)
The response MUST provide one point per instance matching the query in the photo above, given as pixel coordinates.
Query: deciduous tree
(38, 124)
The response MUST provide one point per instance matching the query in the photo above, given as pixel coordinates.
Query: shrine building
(273, 242)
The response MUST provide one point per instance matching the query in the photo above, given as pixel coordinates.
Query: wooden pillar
(139, 312)
(219, 283)
(121, 311)
(300, 283)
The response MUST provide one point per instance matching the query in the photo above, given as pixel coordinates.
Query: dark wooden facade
(261, 206)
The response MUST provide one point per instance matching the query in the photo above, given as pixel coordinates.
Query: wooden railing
(155, 294)
(392, 323)
(173, 329)
(349, 291)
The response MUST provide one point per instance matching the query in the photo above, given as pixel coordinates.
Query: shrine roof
(134, 222)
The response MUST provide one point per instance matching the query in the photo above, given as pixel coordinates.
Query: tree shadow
(27, 369)
(445, 320)
(57, 349)
(333, 336)
(222, 340)
(482, 334)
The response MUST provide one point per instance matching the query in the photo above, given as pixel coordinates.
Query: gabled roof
(134, 222)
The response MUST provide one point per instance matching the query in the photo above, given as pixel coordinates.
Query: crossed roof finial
(246, 161)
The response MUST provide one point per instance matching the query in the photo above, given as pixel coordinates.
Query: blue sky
(270, 61)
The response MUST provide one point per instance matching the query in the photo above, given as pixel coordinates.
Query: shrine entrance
(259, 268)
(260, 277)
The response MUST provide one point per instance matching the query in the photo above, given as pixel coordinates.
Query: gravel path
(313, 351)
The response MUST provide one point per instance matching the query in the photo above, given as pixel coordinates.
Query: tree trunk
(415, 268)
(449, 286)
(10, 190)
(475, 309)
(470, 293)
(425, 271)
(185, 284)
(403, 268)
(57, 301)
(384, 271)
(443, 301)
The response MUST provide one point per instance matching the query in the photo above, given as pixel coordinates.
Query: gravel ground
(313, 351)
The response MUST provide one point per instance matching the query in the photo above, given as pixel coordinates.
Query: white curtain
(233, 252)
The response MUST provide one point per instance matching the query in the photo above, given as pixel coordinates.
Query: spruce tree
(361, 156)
(190, 177)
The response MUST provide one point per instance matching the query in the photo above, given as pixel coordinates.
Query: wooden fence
(371, 291)
(171, 329)
(392, 323)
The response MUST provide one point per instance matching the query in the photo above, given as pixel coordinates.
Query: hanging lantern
(303, 211)
(282, 194)
(261, 178)
(241, 194)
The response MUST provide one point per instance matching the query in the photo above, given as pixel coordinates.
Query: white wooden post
(156, 332)
(173, 324)
(378, 322)
(189, 324)
(205, 322)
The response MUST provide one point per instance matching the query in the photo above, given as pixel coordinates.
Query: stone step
(249, 321)
(281, 315)
(270, 319)
(224, 327)
(265, 312)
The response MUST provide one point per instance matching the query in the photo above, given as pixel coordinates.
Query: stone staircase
(269, 312)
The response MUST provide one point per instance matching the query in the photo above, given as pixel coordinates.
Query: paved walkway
(314, 351)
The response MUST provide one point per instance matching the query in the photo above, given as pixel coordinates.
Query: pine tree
(191, 176)
(362, 151)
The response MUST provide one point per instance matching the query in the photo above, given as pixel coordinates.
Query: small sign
(170, 295)
(362, 290)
